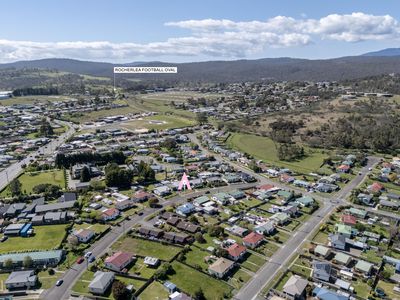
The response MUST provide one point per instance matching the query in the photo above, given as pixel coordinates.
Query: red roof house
(236, 251)
(110, 214)
(118, 261)
(376, 187)
(253, 239)
(349, 220)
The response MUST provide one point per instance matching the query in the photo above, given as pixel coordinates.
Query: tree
(202, 118)
(153, 202)
(215, 230)
(45, 128)
(28, 262)
(85, 174)
(119, 290)
(199, 295)
(115, 176)
(199, 238)
(163, 271)
(8, 263)
(15, 187)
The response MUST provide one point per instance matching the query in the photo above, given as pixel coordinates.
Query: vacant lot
(190, 280)
(29, 180)
(263, 148)
(146, 248)
(45, 238)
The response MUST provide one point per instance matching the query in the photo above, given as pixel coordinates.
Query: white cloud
(218, 38)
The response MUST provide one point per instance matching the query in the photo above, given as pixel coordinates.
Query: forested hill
(238, 70)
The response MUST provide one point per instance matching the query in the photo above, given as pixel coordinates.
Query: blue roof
(25, 228)
(325, 294)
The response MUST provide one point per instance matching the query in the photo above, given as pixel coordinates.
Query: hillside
(384, 52)
(232, 71)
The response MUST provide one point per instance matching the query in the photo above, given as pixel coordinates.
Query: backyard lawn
(46, 237)
(213, 289)
(155, 291)
(146, 248)
(195, 257)
(264, 148)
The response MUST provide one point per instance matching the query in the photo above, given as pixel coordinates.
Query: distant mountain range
(384, 52)
(369, 64)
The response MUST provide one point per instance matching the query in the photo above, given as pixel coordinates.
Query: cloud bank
(218, 38)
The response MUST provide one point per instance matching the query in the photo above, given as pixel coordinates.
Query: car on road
(140, 213)
(4, 238)
(91, 259)
(88, 254)
(59, 282)
(80, 260)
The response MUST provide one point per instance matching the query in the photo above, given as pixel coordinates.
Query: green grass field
(29, 180)
(46, 237)
(159, 122)
(97, 228)
(263, 148)
(190, 280)
(146, 248)
(155, 291)
(196, 257)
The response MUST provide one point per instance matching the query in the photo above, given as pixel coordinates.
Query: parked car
(80, 260)
(59, 282)
(91, 259)
(88, 254)
(3, 239)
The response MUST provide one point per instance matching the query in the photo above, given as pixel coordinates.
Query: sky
(187, 30)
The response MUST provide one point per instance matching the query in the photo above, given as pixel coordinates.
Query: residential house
(358, 213)
(253, 240)
(185, 209)
(305, 201)
(21, 279)
(84, 235)
(101, 282)
(323, 251)
(349, 220)
(221, 267)
(110, 214)
(295, 287)
(342, 258)
(266, 228)
(321, 270)
(376, 187)
(40, 258)
(118, 261)
(162, 191)
(344, 230)
(280, 218)
(366, 199)
(321, 293)
(236, 251)
(363, 267)
(222, 198)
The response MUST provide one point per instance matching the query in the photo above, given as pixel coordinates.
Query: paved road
(15, 169)
(253, 287)
(103, 245)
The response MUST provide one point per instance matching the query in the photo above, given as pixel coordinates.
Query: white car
(88, 254)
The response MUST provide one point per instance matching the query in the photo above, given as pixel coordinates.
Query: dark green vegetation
(213, 71)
